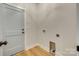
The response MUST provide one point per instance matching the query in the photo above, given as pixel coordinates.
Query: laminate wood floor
(35, 51)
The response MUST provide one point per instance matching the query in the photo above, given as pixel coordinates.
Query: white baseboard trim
(32, 46)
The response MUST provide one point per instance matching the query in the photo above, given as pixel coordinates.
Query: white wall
(61, 20)
(31, 26)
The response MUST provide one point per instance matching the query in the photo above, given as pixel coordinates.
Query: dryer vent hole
(57, 35)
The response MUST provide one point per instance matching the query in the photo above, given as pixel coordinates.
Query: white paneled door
(11, 30)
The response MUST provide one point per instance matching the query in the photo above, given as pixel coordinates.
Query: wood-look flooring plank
(35, 51)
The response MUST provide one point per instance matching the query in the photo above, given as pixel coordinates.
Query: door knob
(22, 32)
(22, 29)
(3, 43)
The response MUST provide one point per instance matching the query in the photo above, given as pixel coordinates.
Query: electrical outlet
(52, 47)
